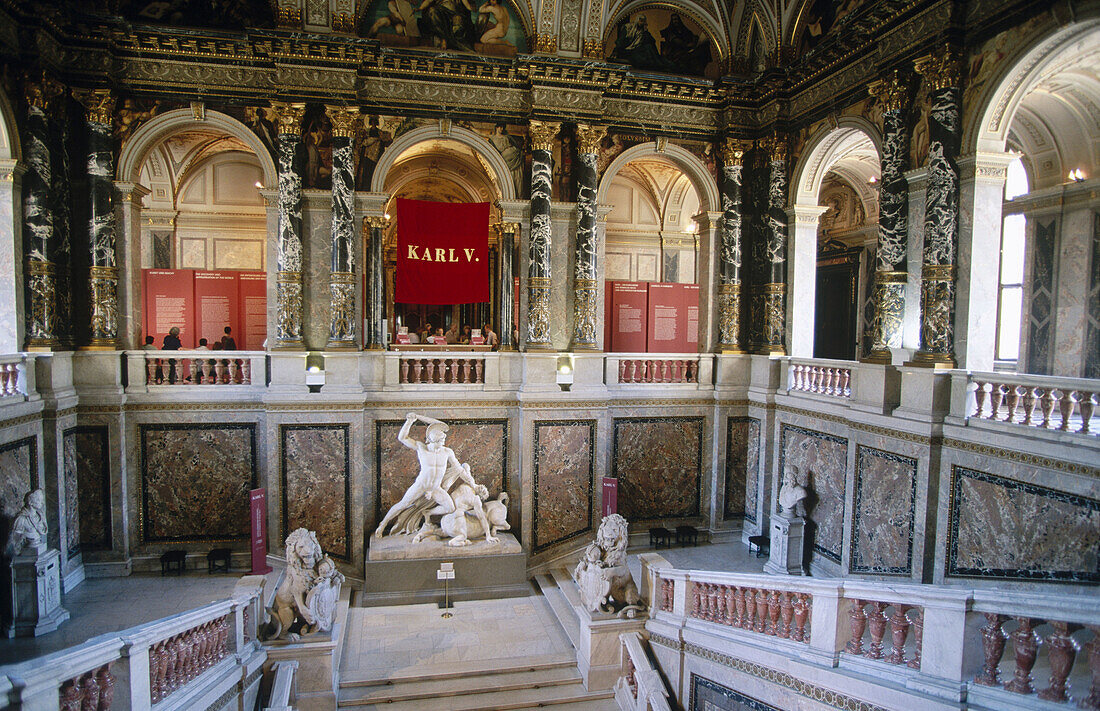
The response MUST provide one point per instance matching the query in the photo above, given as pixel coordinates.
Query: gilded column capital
(892, 91)
(99, 104)
(289, 117)
(592, 49)
(546, 43)
(588, 137)
(39, 91)
(777, 146)
(344, 119)
(375, 221)
(542, 134)
(733, 151)
(941, 69)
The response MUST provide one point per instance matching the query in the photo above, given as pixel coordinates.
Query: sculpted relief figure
(793, 492)
(602, 575)
(28, 528)
(444, 487)
(306, 600)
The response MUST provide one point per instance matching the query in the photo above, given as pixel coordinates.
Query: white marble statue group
(305, 602)
(445, 488)
(602, 576)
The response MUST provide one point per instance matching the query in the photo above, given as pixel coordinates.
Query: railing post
(135, 371)
(943, 646)
(132, 690)
(828, 626)
(680, 607)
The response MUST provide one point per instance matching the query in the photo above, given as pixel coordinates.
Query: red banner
(169, 303)
(442, 252)
(257, 505)
(216, 305)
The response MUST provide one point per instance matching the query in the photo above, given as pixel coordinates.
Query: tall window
(1011, 291)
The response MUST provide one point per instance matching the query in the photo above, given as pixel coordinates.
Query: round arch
(986, 128)
(697, 173)
(157, 129)
(822, 150)
(501, 174)
(10, 148)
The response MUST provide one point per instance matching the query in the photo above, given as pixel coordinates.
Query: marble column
(11, 255)
(891, 273)
(507, 248)
(729, 253)
(775, 288)
(585, 286)
(941, 218)
(61, 200)
(376, 331)
(128, 202)
(289, 304)
(38, 218)
(538, 269)
(342, 280)
(102, 235)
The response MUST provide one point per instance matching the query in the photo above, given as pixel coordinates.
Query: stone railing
(433, 369)
(1036, 401)
(832, 378)
(282, 688)
(167, 664)
(148, 369)
(691, 369)
(16, 377)
(925, 639)
(640, 687)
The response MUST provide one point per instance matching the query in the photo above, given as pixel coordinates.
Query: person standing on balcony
(228, 343)
(172, 340)
(491, 338)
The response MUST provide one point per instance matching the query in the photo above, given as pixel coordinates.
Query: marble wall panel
(884, 512)
(742, 467)
(1040, 334)
(88, 451)
(316, 465)
(70, 492)
(657, 461)
(1003, 528)
(481, 443)
(18, 473)
(1092, 316)
(825, 456)
(195, 480)
(708, 695)
(564, 474)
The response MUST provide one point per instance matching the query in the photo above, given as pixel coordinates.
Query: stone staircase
(518, 682)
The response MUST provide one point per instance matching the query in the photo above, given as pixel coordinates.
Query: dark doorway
(835, 308)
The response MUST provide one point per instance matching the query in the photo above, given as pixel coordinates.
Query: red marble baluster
(772, 627)
(877, 622)
(695, 599)
(786, 613)
(693, 372)
(70, 696)
(712, 603)
(404, 370)
(733, 609)
(703, 601)
(429, 365)
(899, 631)
(1086, 406)
(479, 370)
(1061, 653)
(801, 617)
(1092, 701)
(720, 604)
(622, 371)
(1065, 408)
(738, 606)
(918, 638)
(156, 671)
(1046, 406)
(169, 660)
(233, 371)
(89, 687)
(1013, 400)
(632, 371)
(454, 370)
(748, 594)
(666, 376)
(761, 610)
(106, 687)
(857, 623)
(996, 395)
(979, 398)
(219, 372)
(1025, 646)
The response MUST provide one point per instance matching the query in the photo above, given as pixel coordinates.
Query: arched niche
(697, 173)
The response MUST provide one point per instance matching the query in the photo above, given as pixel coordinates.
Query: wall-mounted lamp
(565, 372)
(259, 185)
(1076, 175)
(873, 179)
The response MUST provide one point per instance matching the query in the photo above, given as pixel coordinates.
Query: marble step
(513, 700)
(456, 670)
(603, 704)
(564, 578)
(461, 686)
(563, 609)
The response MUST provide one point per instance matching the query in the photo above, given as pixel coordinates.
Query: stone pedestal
(36, 593)
(599, 650)
(787, 536)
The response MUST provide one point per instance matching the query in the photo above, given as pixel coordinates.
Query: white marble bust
(28, 529)
(793, 493)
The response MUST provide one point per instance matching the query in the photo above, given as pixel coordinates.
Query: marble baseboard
(316, 467)
(564, 480)
(658, 462)
(825, 457)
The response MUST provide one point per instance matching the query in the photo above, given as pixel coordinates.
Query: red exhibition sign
(252, 299)
(670, 308)
(169, 303)
(610, 496)
(442, 252)
(257, 503)
(216, 305)
(628, 318)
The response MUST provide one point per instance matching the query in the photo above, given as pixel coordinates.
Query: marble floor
(102, 605)
(731, 556)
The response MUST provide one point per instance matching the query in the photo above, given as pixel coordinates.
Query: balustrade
(91, 691)
(198, 368)
(1062, 404)
(868, 621)
(9, 380)
(419, 370)
(180, 658)
(651, 370)
(820, 379)
(777, 613)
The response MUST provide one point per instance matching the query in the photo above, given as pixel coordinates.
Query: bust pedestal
(36, 593)
(787, 537)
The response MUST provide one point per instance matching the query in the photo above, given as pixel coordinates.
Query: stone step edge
(488, 704)
(381, 697)
(563, 610)
(463, 669)
(564, 578)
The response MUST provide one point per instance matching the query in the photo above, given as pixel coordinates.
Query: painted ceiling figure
(684, 49)
(637, 47)
(448, 23)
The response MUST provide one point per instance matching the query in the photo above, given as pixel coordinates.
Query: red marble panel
(195, 481)
(882, 528)
(742, 467)
(481, 443)
(564, 461)
(825, 456)
(657, 461)
(315, 484)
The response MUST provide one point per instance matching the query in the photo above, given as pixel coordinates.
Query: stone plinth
(787, 537)
(399, 572)
(599, 650)
(318, 677)
(36, 593)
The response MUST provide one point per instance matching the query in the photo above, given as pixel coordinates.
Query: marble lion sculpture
(308, 593)
(602, 575)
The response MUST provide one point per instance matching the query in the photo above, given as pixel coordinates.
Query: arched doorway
(11, 233)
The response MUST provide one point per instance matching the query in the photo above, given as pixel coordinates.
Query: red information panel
(628, 319)
(252, 289)
(691, 307)
(667, 319)
(216, 306)
(257, 503)
(169, 302)
(610, 495)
